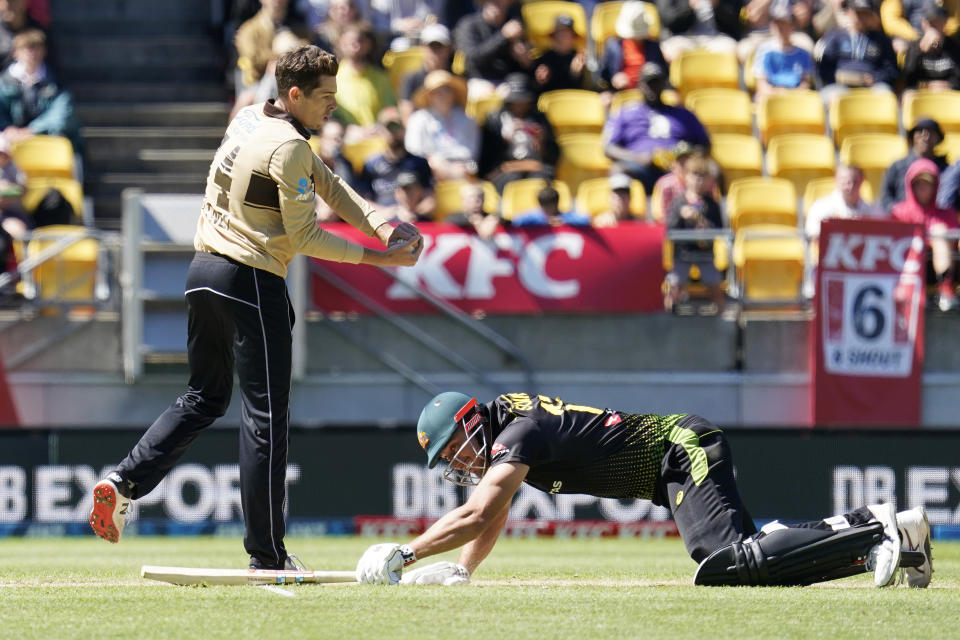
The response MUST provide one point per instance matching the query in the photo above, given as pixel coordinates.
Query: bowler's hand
(403, 231)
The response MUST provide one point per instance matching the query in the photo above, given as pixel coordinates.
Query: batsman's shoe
(915, 536)
(290, 563)
(884, 558)
(110, 508)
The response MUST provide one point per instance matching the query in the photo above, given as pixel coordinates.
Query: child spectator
(932, 61)
(625, 55)
(619, 203)
(920, 207)
(440, 130)
(473, 215)
(562, 65)
(778, 64)
(695, 209)
(549, 213)
(672, 184)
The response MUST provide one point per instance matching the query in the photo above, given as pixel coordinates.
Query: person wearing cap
(903, 19)
(549, 213)
(619, 210)
(493, 44)
(923, 137)
(472, 214)
(641, 137)
(920, 206)
(517, 141)
(680, 461)
(778, 64)
(562, 65)
(933, 60)
(699, 24)
(625, 54)
(440, 130)
(857, 56)
(363, 89)
(411, 197)
(437, 53)
(378, 178)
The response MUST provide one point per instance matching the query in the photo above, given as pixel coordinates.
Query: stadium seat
(450, 199)
(358, 152)
(753, 201)
(769, 260)
(700, 68)
(37, 188)
(604, 20)
(573, 111)
(950, 147)
(539, 18)
(593, 197)
(521, 195)
(797, 111)
(70, 276)
(400, 63)
(739, 156)
(863, 111)
(581, 158)
(942, 106)
(48, 156)
(480, 109)
(722, 110)
(800, 157)
(621, 98)
(873, 152)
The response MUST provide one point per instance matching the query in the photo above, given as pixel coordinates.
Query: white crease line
(278, 590)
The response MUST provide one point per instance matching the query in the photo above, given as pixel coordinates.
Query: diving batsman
(681, 461)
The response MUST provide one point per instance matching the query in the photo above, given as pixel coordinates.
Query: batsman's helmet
(438, 422)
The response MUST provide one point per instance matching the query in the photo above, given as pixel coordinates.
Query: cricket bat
(210, 577)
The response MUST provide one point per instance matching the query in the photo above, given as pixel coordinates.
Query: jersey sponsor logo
(557, 485)
(612, 420)
(679, 497)
(305, 189)
(423, 439)
(498, 451)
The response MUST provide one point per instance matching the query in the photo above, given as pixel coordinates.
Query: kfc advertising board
(868, 346)
(520, 271)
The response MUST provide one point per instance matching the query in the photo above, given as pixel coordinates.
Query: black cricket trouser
(697, 484)
(236, 315)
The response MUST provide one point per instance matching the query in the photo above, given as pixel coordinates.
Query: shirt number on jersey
(556, 407)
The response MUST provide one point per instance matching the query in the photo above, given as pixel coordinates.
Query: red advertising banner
(868, 345)
(531, 270)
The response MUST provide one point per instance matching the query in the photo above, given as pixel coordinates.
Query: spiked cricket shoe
(915, 535)
(110, 509)
(884, 558)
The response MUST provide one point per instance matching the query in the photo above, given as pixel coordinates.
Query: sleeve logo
(498, 451)
(305, 189)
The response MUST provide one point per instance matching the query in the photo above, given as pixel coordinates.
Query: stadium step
(128, 140)
(153, 114)
(140, 91)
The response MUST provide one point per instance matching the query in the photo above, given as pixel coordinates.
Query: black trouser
(236, 314)
(702, 492)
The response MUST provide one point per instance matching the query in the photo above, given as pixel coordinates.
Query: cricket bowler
(681, 461)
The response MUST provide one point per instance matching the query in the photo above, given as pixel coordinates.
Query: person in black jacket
(922, 137)
(709, 24)
(933, 61)
(492, 40)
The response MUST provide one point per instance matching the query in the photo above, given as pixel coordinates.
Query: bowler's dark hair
(304, 68)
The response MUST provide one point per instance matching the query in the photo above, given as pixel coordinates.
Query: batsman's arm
(474, 552)
(481, 512)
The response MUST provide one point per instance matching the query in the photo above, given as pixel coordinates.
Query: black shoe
(290, 563)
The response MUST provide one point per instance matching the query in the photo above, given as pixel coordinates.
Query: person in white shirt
(440, 130)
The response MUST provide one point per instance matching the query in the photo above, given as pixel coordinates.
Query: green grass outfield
(536, 588)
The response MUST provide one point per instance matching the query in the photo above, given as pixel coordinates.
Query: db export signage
(868, 347)
(517, 271)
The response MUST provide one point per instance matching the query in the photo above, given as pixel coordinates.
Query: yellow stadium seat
(739, 156)
(581, 158)
(400, 63)
(450, 199)
(700, 68)
(874, 153)
(604, 19)
(722, 110)
(753, 201)
(521, 195)
(797, 111)
(593, 197)
(950, 147)
(622, 98)
(539, 18)
(360, 151)
(573, 111)
(480, 109)
(769, 261)
(942, 106)
(863, 111)
(458, 65)
(800, 157)
(37, 188)
(40, 155)
(71, 276)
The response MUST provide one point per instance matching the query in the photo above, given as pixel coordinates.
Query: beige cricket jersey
(261, 190)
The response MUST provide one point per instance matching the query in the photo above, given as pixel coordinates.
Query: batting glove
(383, 563)
(447, 574)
